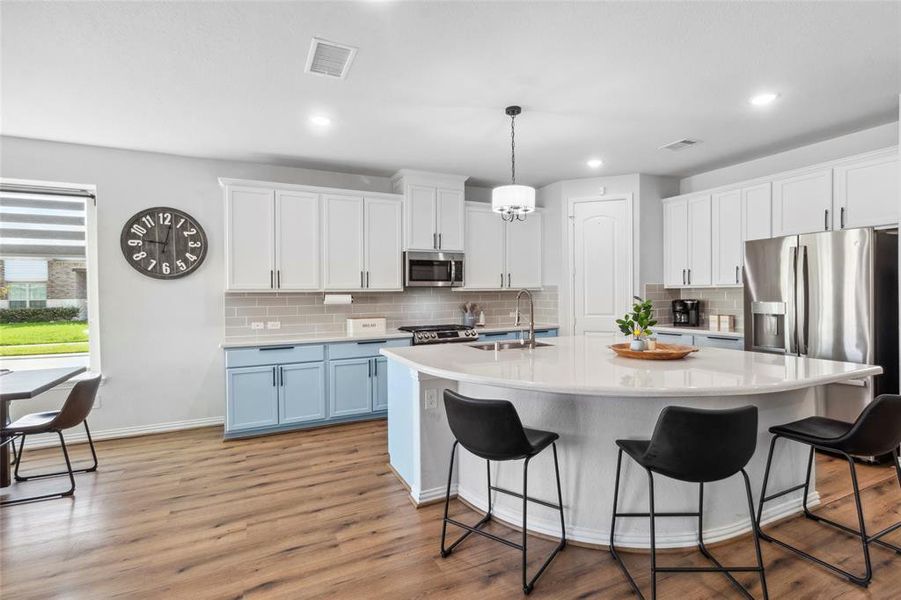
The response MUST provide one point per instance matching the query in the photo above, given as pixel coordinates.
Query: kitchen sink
(512, 345)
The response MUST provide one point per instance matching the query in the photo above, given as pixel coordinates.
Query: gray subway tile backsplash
(718, 301)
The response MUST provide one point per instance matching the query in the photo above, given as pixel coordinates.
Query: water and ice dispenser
(768, 326)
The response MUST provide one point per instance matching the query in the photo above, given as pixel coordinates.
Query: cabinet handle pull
(369, 363)
(725, 339)
(273, 376)
(841, 218)
(375, 367)
(826, 219)
(281, 376)
(508, 280)
(367, 278)
(278, 279)
(435, 241)
(361, 279)
(736, 273)
(268, 348)
(689, 277)
(271, 278)
(439, 242)
(502, 280)
(683, 276)
(373, 342)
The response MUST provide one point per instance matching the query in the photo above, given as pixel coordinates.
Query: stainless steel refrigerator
(831, 295)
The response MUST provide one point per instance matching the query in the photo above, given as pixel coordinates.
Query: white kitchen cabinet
(867, 191)
(726, 217)
(802, 203)
(484, 262)
(249, 238)
(675, 242)
(523, 252)
(342, 247)
(297, 241)
(757, 212)
(434, 214)
(699, 241)
(501, 255)
(450, 219)
(383, 238)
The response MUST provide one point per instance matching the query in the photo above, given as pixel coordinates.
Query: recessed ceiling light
(595, 163)
(763, 99)
(320, 120)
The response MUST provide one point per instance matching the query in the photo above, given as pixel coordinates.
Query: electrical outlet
(273, 324)
(256, 324)
(431, 399)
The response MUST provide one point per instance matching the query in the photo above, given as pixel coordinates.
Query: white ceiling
(431, 80)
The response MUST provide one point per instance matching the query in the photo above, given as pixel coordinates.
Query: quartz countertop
(696, 331)
(252, 341)
(585, 365)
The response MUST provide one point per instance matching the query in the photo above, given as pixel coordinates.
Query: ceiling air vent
(329, 59)
(680, 144)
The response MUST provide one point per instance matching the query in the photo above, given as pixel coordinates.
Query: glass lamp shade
(513, 199)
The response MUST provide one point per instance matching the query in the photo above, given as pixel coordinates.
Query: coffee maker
(687, 313)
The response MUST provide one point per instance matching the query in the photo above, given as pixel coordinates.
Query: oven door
(433, 269)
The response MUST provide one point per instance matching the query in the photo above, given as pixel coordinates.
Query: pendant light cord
(513, 148)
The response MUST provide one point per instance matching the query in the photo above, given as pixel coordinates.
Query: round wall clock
(164, 243)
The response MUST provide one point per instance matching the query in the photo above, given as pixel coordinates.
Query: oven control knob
(433, 335)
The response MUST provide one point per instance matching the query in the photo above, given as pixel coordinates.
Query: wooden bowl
(663, 351)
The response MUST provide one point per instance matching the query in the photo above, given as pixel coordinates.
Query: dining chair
(73, 413)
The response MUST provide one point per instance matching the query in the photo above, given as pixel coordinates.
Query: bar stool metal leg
(865, 540)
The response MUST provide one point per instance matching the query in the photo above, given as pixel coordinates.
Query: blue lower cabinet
(543, 333)
(497, 336)
(720, 341)
(252, 398)
(379, 384)
(301, 393)
(350, 387)
(675, 338)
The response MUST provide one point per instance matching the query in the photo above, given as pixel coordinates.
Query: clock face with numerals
(163, 242)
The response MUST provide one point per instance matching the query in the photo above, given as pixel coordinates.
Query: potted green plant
(638, 323)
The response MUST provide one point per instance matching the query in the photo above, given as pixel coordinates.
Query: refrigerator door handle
(790, 289)
(803, 304)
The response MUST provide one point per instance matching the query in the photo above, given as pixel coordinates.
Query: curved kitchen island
(578, 388)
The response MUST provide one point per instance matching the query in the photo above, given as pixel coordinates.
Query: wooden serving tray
(663, 351)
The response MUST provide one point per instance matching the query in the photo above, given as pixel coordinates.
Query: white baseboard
(77, 434)
(601, 537)
(431, 495)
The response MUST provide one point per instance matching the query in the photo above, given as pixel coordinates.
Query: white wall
(866, 140)
(159, 339)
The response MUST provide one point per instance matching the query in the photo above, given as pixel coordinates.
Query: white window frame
(92, 267)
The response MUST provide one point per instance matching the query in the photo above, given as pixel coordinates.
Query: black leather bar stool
(491, 429)
(698, 446)
(876, 431)
(73, 413)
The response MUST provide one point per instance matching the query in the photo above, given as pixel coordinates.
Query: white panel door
(297, 241)
(700, 267)
(342, 242)
(757, 212)
(384, 243)
(421, 218)
(727, 238)
(524, 252)
(250, 238)
(675, 243)
(601, 258)
(802, 203)
(866, 193)
(451, 220)
(484, 261)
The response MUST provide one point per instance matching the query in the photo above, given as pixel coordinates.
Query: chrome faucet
(530, 341)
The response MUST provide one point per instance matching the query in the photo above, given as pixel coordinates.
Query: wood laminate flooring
(318, 514)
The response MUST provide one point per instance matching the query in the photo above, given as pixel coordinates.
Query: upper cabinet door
(384, 243)
(675, 243)
(484, 258)
(342, 231)
(421, 217)
(700, 268)
(757, 212)
(250, 243)
(450, 220)
(297, 235)
(802, 203)
(727, 238)
(524, 252)
(866, 192)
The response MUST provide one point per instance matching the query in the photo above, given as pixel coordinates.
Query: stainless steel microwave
(433, 269)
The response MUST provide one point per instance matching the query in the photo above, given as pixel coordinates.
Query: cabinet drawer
(717, 341)
(273, 355)
(541, 333)
(675, 338)
(496, 336)
(362, 349)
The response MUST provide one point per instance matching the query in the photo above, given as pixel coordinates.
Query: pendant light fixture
(513, 201)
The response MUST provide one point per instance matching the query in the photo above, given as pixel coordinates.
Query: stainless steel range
(441, 334)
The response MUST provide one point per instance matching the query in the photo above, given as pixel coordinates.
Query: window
(48, 261)
(27, 295)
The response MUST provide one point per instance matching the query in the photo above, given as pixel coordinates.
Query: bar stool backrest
(78, 405)
(877, 430)
(693, 444)
(489, 429)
